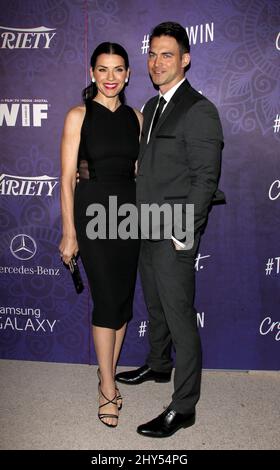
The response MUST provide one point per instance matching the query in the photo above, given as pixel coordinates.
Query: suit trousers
(168, 281)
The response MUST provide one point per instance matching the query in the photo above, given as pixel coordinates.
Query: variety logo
(25, 112)
(12, 185)
(23, 247)
(26, 38)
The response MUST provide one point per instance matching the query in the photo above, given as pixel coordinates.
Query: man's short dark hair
(176, 31)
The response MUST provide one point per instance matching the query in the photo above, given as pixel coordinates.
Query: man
(179, 162)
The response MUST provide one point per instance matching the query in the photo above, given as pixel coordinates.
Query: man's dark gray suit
(180, 163)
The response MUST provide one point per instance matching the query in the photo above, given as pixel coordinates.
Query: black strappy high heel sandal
(102, 416)
(119, 399)
(118, 395)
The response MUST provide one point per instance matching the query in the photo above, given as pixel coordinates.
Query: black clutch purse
(76, 275)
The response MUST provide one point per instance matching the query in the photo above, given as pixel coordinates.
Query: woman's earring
(93, 80)
(126, 80)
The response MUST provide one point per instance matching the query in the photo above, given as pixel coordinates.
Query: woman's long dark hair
(105, 48)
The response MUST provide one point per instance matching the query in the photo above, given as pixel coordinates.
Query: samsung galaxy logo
(26, 38)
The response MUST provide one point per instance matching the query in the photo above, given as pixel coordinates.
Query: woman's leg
(118, 344)
(104, 343)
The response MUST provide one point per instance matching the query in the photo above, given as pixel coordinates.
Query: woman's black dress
(108, 150)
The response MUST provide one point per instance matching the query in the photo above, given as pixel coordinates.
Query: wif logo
(26, 38)
(24, 112)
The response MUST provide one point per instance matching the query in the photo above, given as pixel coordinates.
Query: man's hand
(177, 246)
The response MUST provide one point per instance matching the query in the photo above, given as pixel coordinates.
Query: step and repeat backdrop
(45, 48)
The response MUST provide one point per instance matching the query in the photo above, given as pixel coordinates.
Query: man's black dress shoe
(166, 424)
(138, 376)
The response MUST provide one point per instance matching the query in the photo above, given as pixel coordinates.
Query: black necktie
(161, 104)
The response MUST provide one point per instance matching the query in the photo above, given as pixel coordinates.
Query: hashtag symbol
(276, 126)
(145, 44)
(269, 265)
(142, 329)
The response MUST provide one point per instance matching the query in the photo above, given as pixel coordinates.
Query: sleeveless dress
(108, 150)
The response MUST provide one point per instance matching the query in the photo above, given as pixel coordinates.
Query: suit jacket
(181, 162)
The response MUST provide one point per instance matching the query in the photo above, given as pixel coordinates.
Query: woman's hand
(68, 247)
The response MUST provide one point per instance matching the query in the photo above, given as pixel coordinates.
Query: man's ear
(186, 58)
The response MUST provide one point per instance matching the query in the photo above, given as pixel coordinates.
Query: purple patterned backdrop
(45, 48)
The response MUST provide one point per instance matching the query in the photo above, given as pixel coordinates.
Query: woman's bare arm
(69, 154)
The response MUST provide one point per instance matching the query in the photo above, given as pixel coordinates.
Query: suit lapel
(148, 116)
(183, 89)
(172, 103)
(162, 118)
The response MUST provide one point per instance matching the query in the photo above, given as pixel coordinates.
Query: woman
(101, 139)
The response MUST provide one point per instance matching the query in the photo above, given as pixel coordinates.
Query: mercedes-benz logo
(23, 247)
